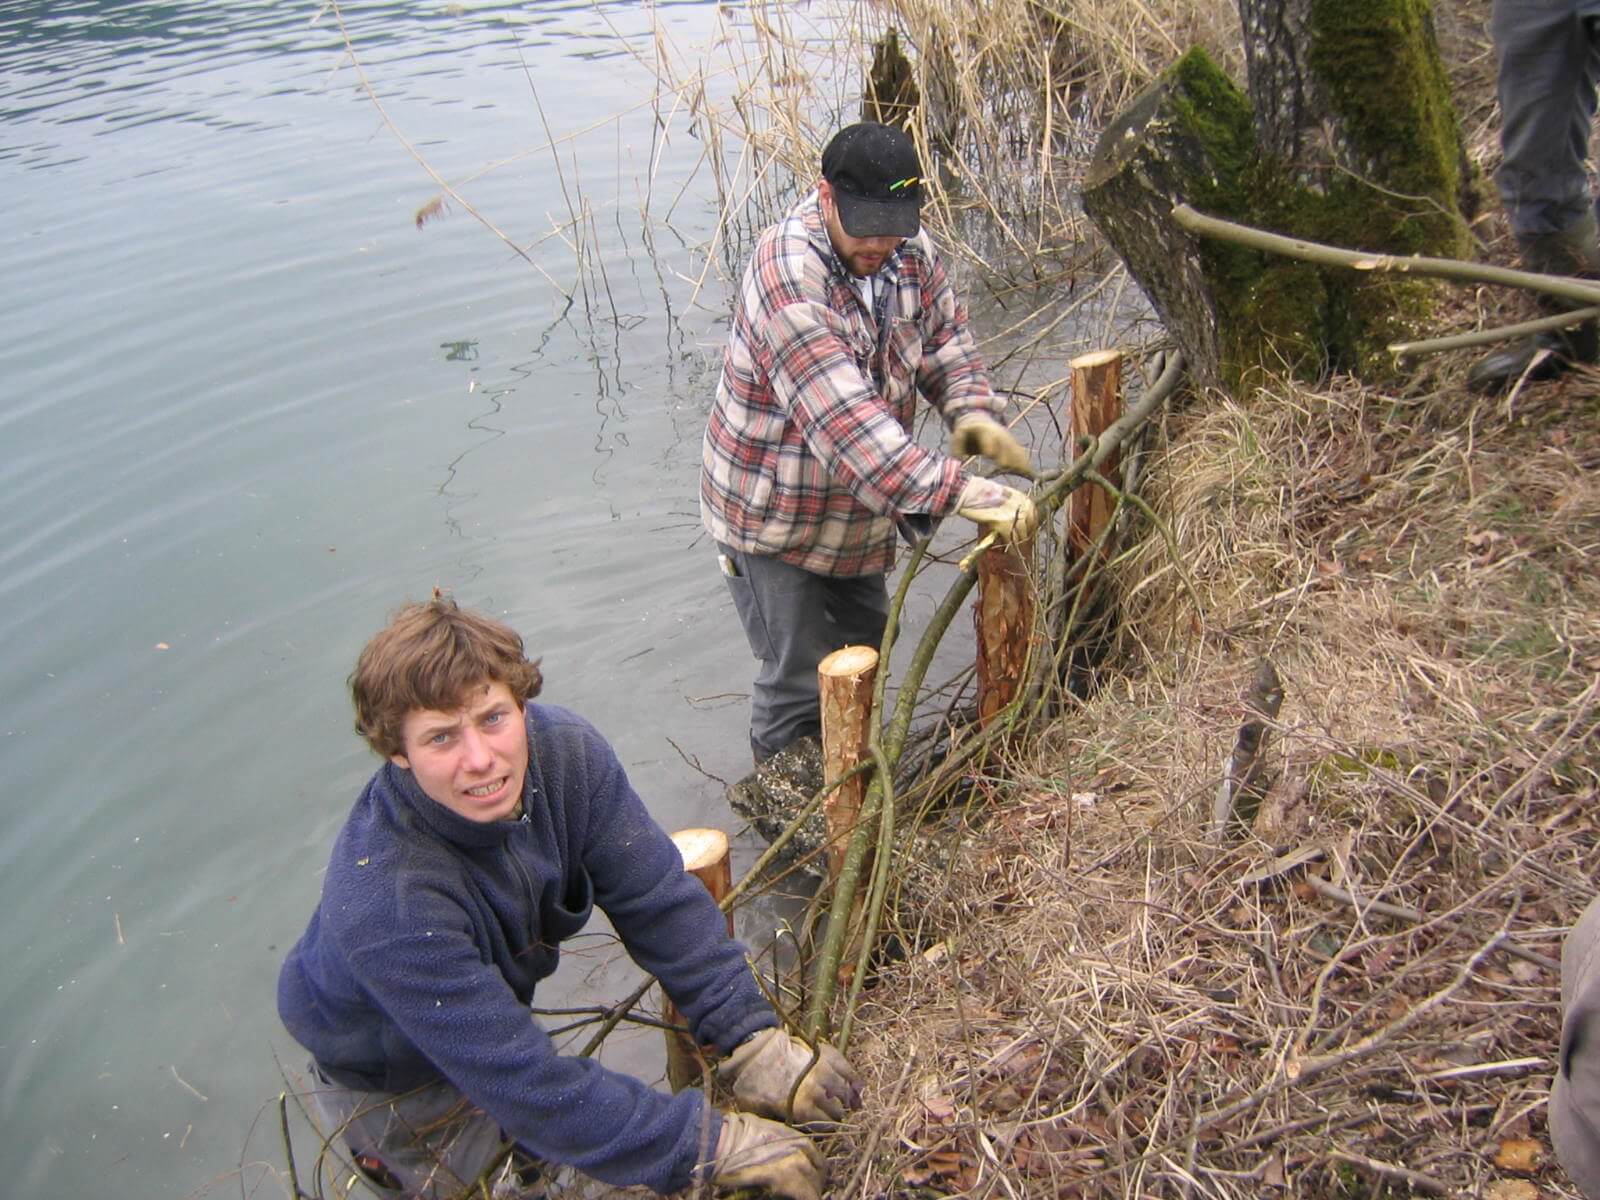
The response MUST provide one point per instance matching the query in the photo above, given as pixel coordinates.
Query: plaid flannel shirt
(808, 454)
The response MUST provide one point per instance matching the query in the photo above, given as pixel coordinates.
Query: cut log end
(1095, 358)
(848, 662)
(700, 847)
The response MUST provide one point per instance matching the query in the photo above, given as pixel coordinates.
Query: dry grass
(1108, 1007)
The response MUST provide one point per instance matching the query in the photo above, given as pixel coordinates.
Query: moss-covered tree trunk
(1347, 136)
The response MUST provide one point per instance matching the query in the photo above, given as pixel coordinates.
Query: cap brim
(877, 218)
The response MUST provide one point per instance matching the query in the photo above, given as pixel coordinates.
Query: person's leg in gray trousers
(794, 619)
(1549, 66)
(431, 1142)
(1574, 1112)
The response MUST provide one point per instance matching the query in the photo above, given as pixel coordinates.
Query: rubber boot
(1575, 252)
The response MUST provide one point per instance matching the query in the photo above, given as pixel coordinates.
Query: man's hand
(753, 1152)
(762, 1073)
(999, 509)
(974, 434)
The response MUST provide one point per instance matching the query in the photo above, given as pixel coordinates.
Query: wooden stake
(1096, 403)
(705, 856)
(1003, 619)
(844, 682)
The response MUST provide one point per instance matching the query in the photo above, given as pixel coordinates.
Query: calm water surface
(248, 407)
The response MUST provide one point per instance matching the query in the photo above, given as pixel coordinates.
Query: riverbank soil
(1104, 999)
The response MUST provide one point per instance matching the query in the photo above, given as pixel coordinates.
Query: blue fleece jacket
(421, 959)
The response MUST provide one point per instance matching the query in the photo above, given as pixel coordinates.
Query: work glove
(753, 1152)
(998, 509)
(762, 1071)
(978, 434)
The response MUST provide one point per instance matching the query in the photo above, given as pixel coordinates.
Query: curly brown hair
(432, 655)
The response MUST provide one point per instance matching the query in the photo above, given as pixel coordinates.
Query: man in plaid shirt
(809, 469)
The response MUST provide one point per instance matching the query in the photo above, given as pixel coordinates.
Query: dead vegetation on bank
(1356, 996)
(1105, 1003)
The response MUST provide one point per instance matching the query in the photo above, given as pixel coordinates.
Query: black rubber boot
(1575, 252)
(1543, 356)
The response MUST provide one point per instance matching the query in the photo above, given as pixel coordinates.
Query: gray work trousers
(433, 1141)
(1574, 1113)
(793, 619)
(1549, 66)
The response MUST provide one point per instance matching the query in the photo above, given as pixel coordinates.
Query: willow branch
(1484, 337)
(825, 971)
(875, 897)
(1057, 486)
(1563, 286)
(892, 741)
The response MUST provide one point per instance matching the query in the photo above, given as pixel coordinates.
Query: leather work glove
(753, 1152)
(762, 1071)
(974, 434)
(999, 509)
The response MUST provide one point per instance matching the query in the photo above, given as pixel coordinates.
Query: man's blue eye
(494, 718)
(439, 739)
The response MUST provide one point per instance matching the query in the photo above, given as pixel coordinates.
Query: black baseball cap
(877, 181)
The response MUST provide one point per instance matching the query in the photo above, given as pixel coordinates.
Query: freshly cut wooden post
(1096, 403)
(844, 681)
(1003, 618)
(705, 856)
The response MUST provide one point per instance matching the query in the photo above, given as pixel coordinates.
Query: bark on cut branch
(1562, 286)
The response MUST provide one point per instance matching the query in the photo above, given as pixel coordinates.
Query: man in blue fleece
(486, 839)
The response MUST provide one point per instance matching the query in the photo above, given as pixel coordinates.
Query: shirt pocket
(902, 356)
(563, 917)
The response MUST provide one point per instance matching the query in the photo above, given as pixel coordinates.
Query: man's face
(471, 760)
(861, 256)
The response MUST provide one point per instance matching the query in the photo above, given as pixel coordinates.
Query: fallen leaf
(1511, 1189)
(936, 1164)
(1522, 1155)
(1525, 972)
(1272, 1172)
(937, 1107)
(1486, 545)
